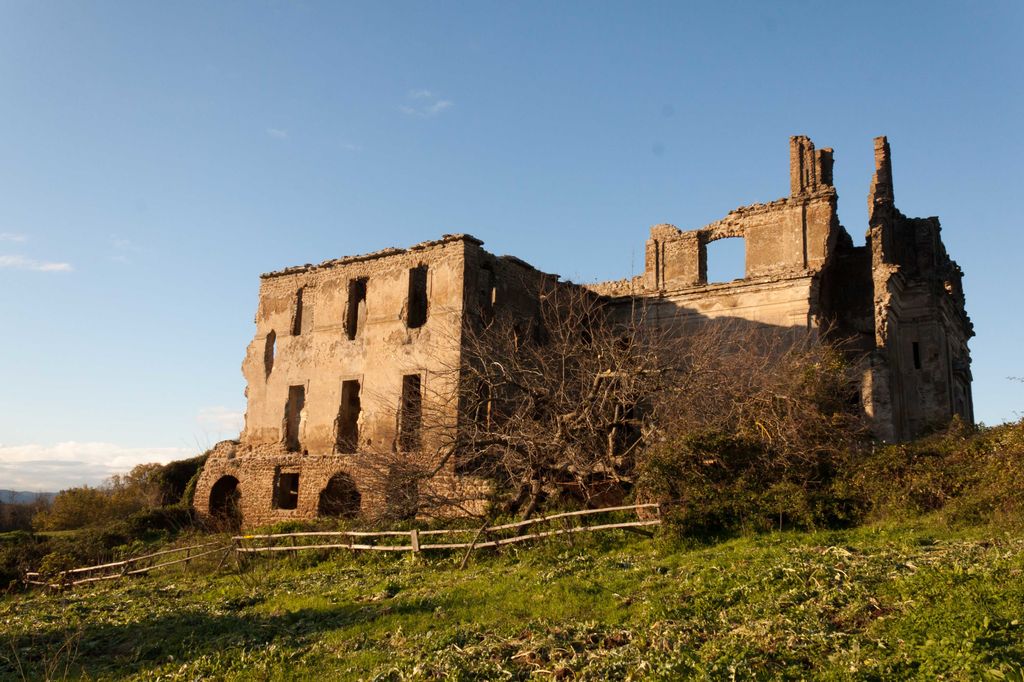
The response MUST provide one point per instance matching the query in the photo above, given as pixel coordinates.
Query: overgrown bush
(19, 552)
(969, 476)
(147, 486)
(152, 503)
(754, 435)
(161, 520)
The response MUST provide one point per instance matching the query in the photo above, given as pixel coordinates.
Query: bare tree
(554, 402)
(567, 397)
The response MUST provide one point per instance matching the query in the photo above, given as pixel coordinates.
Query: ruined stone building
(346, 352)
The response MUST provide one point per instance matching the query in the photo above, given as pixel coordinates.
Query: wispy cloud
(25, 263)
(278, 133)
(221, 420)
(13, 237)
(51, 468)
(425, 103)
(123, 248)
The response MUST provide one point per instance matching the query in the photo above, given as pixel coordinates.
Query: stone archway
(226, 501)
(340, 497)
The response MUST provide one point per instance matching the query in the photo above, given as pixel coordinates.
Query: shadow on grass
(132, 648)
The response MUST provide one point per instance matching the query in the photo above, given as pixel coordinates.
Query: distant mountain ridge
(23, 496)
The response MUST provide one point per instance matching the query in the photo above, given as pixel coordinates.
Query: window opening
(726, 260)
(297, 319)
(410, 416)
(355, 318)
(348, 417)
(488, 293)
(268, 352)
(417, 313)
(293, 416)
(916, 347)
(286, 490)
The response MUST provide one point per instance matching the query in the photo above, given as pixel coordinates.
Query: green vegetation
(881, 602)
(756, 577)
(145, 487)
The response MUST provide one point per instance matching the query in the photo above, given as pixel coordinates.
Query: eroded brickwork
(347, 352)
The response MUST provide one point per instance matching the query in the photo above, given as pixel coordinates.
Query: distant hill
(23, 496)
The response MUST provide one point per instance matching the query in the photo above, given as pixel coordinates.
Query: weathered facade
(349, 353)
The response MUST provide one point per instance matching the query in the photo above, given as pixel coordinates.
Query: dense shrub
(754, 437)
(152, 503)
(161, 520)
(178, 478)
(19, 552)
(81, 507)
(147, 486)
(714, 482)
(710, 483)
(970, 476)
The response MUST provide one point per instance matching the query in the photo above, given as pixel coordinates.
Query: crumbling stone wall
(897, 301)
(920, 367)
(326, 373)
(343, 348)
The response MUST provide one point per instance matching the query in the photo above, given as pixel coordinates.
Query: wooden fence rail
(119, 569)
(251, 544)
(258, 543)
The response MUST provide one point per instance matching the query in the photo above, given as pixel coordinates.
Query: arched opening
(340, 498)
(726, 260)
(225, 501)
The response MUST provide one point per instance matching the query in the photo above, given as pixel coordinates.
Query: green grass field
(877, 603)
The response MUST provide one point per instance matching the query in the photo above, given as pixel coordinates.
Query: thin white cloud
(439, 106)
(122, 248)
(220, 419)
(278, 133)
(25, 263)
(425, 103)
(50, 468)
(123, 244)
(13, 237)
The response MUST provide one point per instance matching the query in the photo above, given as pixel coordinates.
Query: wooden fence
(482, 537)
(128, 567)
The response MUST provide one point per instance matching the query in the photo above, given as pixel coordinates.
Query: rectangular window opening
(917, 355)
(348, 417)
(293, 417)
(355, 318)
(416, 315)
(725, 260)
(488, 293)
(286, 490)
(297, 319)
(410, 416)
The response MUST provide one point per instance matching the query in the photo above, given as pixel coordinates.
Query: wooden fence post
(415, 536)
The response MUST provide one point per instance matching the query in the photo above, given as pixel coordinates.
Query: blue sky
(156, 157)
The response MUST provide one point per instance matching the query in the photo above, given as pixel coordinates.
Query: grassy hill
(916, 600)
